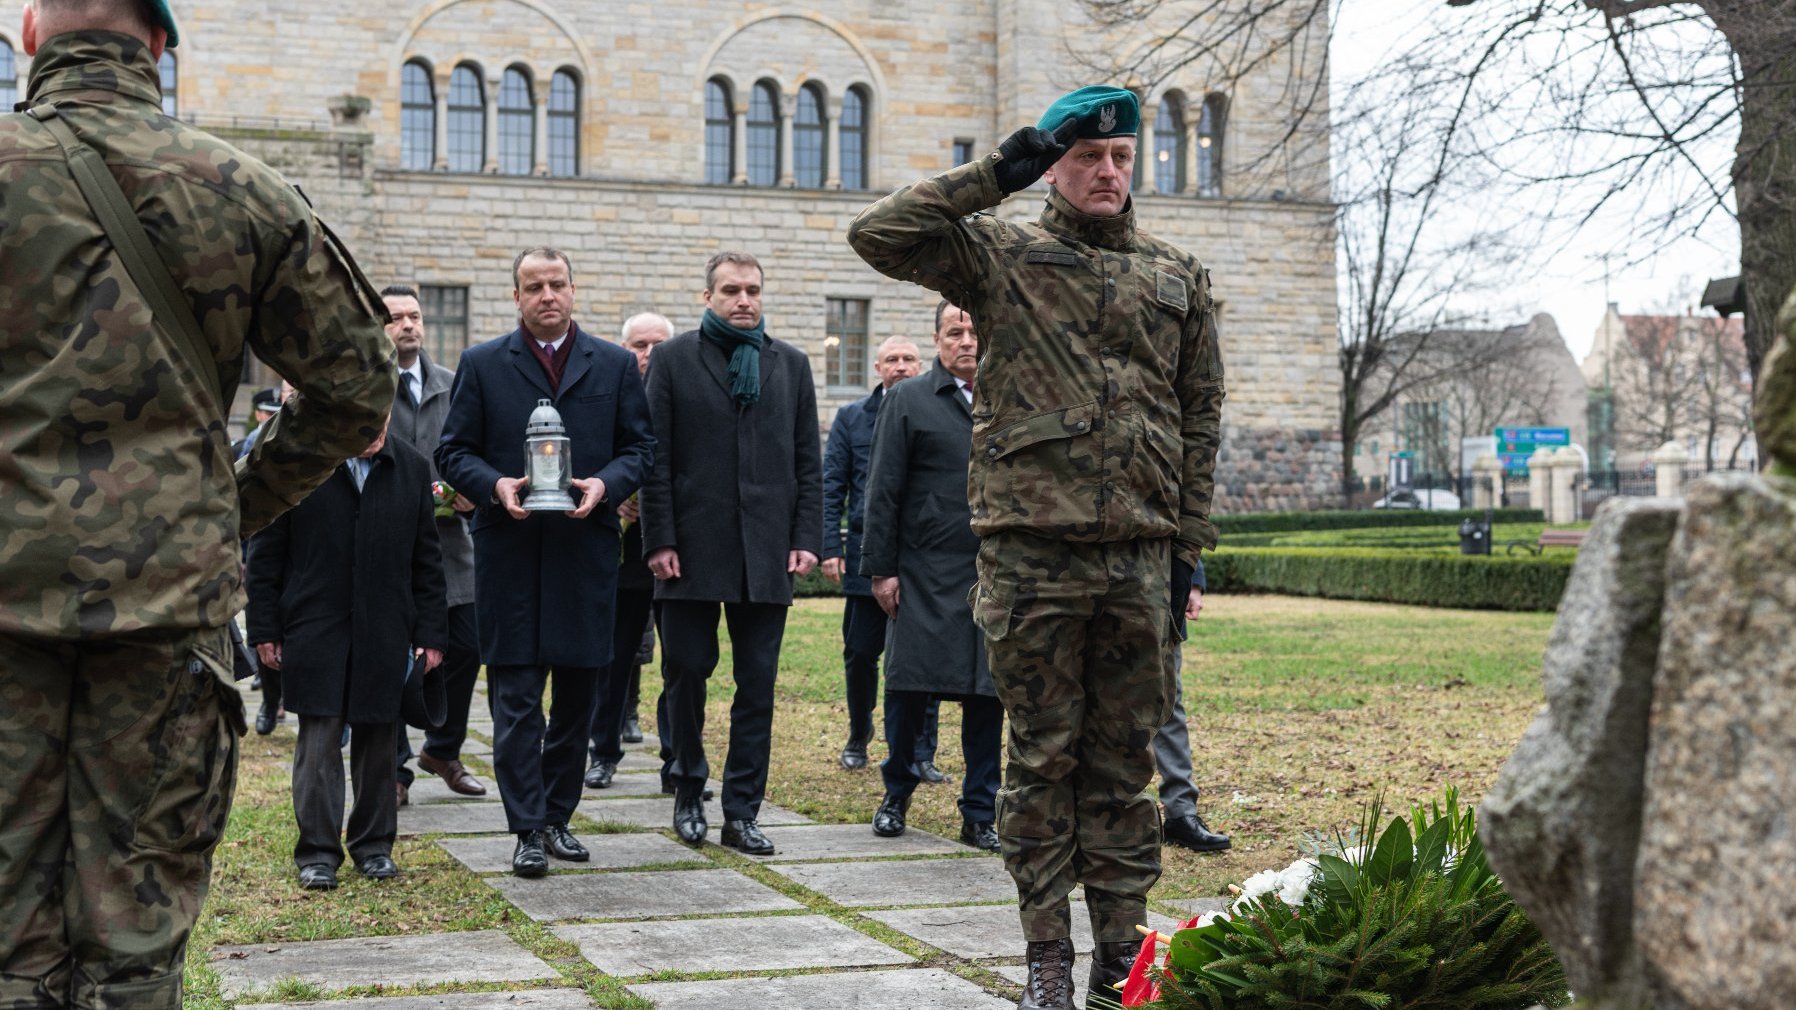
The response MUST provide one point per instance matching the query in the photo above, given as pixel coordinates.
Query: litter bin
(1474, 537)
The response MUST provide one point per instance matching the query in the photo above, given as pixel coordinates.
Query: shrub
(1433, 578)
(1285, 522)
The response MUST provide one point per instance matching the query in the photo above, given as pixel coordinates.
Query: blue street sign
(1515, 445)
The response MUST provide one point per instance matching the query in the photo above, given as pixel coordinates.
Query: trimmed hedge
(1287, 522)
(1422, 577)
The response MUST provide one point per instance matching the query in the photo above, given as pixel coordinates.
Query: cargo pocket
(195, 768)
(992, 606)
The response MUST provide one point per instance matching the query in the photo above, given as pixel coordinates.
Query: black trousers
(613, 698)
(864, 627)
(689, 654)
(318, 790)
(460, 671)
(540, 767)
(981, 744)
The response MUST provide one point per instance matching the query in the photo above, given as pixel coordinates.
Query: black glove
(1029, 152)
(1182, 574)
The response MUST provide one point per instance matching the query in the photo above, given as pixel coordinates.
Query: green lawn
(1301, 711)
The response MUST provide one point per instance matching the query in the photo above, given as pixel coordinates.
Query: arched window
(720, 133)
(808, 138)
(165, 67)
(9, 76)
(1169, 145)
(517, 123)
(417, 117)
(763, 135)
(564, 124)
(467, 120)
(854, 138)
(1209, 145)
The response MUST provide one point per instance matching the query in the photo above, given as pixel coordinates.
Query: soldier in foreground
(1095, 427)
(119, 513)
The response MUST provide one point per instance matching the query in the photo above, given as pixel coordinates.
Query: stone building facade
(441, 136)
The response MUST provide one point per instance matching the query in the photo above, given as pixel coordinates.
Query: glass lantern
(548, 461)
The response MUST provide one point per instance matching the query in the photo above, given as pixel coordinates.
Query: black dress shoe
(1050, 982)
(745, 836)
(318, 877)
(1110, 964)
(377, 867)
(563, 845)
(854, 754)
(980, 835)
(599, 775)
(528, 859)
(632, 729)
(888, 820)
(689, 820)
(1192, 833)
(265, 719)
(930, 774)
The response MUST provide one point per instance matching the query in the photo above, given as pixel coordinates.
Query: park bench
(1549, 537)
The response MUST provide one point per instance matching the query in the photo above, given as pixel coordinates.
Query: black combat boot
(1110, 964)
(1050, 982)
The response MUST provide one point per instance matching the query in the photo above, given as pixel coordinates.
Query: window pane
(9, 77)
(467, 121)
(1169, 147)
(564, 124)
(845, 343)
(854, 139)
(763, 136)
(517, 124)
(165, 66)
(445, 321)
(417, 118)
(807, 139)
(1209, 148)
(963, 152)
(720, 134)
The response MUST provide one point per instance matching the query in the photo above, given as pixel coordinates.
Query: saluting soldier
(1095, 424)
(119, 511)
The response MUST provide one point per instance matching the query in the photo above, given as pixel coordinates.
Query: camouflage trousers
(1077, 636)
(118, 757)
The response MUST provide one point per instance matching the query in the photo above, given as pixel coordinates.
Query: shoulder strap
(147, 269)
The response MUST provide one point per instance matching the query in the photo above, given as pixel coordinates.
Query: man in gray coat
(731, 512)
(921, 553)
(419, 410)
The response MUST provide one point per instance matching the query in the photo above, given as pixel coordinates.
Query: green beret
(160, 13)
(1102, 111)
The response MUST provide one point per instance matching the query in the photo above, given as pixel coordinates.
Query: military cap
(266, 399)
(160, 14)
(1102, 111)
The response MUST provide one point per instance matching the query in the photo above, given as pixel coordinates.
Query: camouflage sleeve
(1774, 408)
(1201, 391)
(319, 325)
(919, 234)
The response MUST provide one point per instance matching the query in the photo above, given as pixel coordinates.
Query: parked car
(1425, 498)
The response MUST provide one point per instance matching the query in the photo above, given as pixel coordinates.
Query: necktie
(411, 387)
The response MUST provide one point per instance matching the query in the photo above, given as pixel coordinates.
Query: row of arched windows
(519, 132)
(9, 78)
(1170, 160)
(750, 142)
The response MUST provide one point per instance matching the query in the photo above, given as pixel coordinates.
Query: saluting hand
(1029, 152)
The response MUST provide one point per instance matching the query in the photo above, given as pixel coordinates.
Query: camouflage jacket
(1097, 408)
(119, 507)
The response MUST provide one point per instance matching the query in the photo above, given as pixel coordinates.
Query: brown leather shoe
(460, 780)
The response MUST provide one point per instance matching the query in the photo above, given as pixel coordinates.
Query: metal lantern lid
(545, 421)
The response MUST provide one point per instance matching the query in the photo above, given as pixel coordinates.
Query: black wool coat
(545, 586)
(918, 528)
(734, 490)
(349, 582)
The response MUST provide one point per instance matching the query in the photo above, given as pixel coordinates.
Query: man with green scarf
(732, 512)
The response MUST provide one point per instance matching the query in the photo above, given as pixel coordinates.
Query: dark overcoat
(918, 529)
(348, 582)
(734, 490)
(422, 427)
(545, 586)
(845, 487)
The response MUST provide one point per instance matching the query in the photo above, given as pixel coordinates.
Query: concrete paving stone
(1193, 907)
(483, 956)
(427, 788)
(453, 819)
(862, 990)
(639, 761)
(609, 852)
(639, 895)
(977, 931)
(657, 812)
(906, 882)
(853, 841)
(1081, 971)
(771, 943)
(475, 747)
(529, 999)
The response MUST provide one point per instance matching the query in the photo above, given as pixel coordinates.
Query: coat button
(1082, 425)
(992, 452)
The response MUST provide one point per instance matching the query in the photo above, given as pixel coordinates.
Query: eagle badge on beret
(1107, 119)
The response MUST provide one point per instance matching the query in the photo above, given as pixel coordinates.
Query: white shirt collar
(553, 345)
(416, 372)
(966, 388)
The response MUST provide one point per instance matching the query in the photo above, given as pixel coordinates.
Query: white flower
(1295, 882)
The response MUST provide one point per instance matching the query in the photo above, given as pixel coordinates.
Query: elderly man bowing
(545, 583)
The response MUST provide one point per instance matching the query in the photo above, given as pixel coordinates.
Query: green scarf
(745, 354)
